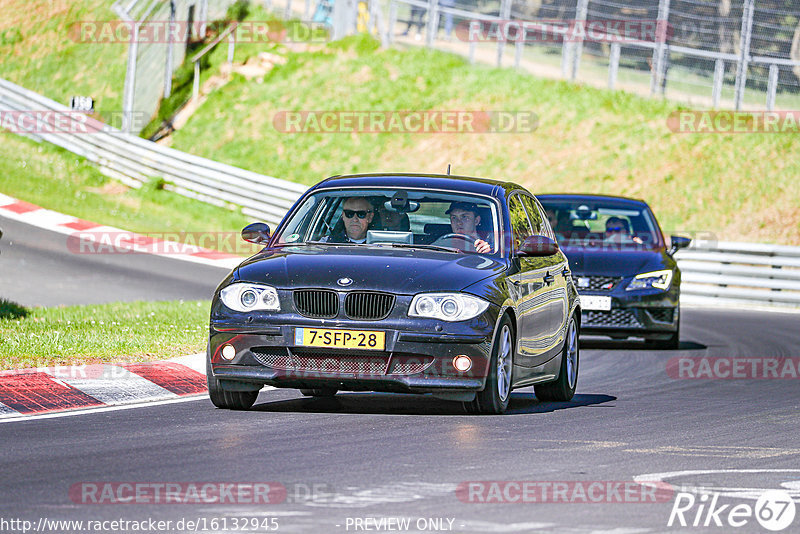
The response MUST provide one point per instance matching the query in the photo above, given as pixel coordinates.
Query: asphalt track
(369, 456)
(38, 269)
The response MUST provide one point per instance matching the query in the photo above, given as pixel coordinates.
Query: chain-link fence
(161, 32)
(723, 53)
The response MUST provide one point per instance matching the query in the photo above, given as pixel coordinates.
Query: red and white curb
(89, 232)
(27, 392)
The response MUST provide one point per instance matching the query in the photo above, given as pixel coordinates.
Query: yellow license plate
(340, 339)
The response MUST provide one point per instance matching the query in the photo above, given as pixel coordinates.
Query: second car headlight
(656, 279)
(249, 297)
(447, 306)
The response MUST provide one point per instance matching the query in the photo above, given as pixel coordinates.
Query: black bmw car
(628, 280)
(440, 285)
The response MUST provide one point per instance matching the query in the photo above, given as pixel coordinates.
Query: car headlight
(656, 279)
(249, 297)
(447, 306)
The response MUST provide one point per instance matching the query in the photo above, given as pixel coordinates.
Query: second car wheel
(563, 389)
(495, 396)
(319, 392)
(231, 400)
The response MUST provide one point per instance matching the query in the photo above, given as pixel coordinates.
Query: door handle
(549, 278)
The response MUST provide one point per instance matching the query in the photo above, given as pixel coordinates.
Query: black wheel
(671, 343)
(563, 389)
(319, 392)
(231, 400)
(494, 397)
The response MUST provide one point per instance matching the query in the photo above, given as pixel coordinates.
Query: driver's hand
(482, 246)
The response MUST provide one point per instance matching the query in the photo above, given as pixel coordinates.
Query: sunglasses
(361, 214)
(615, 229)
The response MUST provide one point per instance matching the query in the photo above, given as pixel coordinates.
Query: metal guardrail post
(196, 80)
(744, 55)
(170, 49)
(719, 78)
(613, 64)
(659, 65)
(505, 16)
(392, 22)
(581, 12)
(472, 46)
(518, 48)
(129, 90)
(287, 13)
(432, 27)
(772, 86)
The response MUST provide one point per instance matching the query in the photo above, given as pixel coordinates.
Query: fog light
(462, 363)
(228, 352)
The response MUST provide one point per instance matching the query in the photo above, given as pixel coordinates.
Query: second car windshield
(447, 220)
(591, 225)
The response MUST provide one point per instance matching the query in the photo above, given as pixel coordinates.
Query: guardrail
(134, 161)
(745, 272)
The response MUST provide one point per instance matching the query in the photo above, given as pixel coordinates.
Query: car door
(529, 292)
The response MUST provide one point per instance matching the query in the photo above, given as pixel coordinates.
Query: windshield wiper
(427, 247)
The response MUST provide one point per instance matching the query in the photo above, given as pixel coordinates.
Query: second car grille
(617, 317)
(337, 362)
(368, 305)
(317, 303)
(598, 283)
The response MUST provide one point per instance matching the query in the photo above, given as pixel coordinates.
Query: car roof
(466, 184)
(577, 197)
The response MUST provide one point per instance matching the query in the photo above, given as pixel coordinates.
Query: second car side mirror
(257, 233)
(678, 243)
(537, 246)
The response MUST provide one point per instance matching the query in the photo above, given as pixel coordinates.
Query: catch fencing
(738, 54)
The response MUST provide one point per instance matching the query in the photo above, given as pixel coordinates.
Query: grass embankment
(38, 51)
(740, 186)
(129, 331)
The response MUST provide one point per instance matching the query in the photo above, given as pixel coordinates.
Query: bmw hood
(396, 270)
(586, 261)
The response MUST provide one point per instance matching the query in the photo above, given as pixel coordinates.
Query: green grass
(39, 53)
(129, 331)
(51, 177)
(738, 187)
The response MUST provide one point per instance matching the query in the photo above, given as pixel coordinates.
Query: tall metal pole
(659, 65)
(581, 12)
(744, 55)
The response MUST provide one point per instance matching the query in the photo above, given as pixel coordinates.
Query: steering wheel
(469, 240)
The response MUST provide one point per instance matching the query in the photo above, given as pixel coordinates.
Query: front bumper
(652, 314)
(418, 361)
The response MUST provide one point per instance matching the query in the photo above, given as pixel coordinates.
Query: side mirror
(257, 233)
(678, 243)
(537, 246)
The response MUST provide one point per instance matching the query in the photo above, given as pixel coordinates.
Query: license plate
(340, 339)
(593, 302)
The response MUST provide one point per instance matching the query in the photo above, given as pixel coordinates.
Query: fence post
(581, 11)
(307, 11)
(613, 64)
(287, 13)
(129, 91)
(772, 86)
(502, 30)
(203, 18)
(518, 47)
(433, 22)
(719, 77)
(196, 81)
(472, 51)
(392, 22)
(170, 46)
(231, 46)
(744, 57)
(659, 65)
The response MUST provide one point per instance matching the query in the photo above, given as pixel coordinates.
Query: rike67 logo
(774, 510)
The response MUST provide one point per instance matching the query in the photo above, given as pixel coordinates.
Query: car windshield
(442, 220)
(583, 223)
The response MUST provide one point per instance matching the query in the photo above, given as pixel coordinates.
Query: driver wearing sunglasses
(357, 215)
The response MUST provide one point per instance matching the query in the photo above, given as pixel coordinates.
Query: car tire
(563, 389)
(229, 400)
(493, 400)
(319, 392)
